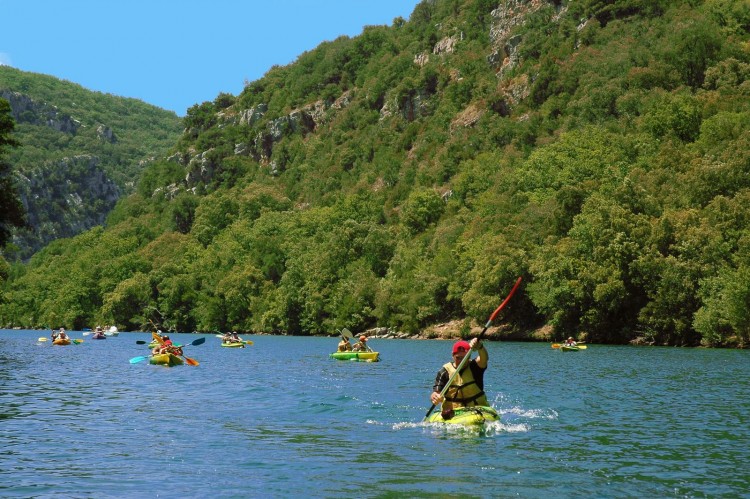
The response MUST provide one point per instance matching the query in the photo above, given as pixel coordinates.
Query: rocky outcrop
(250, 116)
(105, 134)
(63, 198)
(447, 45)
(506, 54)
(26, 110)
(508, 16)
(304, 120)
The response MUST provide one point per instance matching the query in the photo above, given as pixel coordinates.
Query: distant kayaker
(344, 345)
(570, 342)
(59, 335)
(361, 345)
(467, 387)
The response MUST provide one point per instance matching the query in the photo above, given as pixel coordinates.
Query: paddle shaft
(468, 355)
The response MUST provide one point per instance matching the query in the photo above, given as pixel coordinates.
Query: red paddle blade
(507, 299)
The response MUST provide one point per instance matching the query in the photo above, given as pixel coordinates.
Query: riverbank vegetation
(407, 176)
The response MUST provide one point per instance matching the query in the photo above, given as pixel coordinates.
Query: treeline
(380, 181)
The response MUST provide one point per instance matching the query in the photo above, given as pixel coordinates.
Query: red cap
(461, 344)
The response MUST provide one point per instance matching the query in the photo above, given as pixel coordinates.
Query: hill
(405, 177)
(80, 152)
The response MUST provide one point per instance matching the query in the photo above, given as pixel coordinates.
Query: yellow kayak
(467, 416)
(61, 341)
(236, 344)
(166, 359)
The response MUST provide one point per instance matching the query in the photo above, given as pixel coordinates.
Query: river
(282, 419)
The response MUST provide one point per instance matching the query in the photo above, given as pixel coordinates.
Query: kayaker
(361, 345)
(467, 387)
(344, 345)
(166, 347)
(570, 342)
(60, 335)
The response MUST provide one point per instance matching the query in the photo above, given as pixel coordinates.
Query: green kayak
(566, 348)
(467, 416)
(360, 356)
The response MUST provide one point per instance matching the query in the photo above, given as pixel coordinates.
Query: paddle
(468, 354)
(188, 360)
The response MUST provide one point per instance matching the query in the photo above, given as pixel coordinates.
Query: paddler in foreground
(344, 345)
(467, 388)
(166, 347)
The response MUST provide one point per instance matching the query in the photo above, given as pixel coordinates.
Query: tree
(11, 209)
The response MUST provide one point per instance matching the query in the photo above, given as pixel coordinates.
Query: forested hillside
(80, 152)
(407, 177)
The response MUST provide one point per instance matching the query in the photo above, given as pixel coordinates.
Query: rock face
(64, 198)
(25, 110)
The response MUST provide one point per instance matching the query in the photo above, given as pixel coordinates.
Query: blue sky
(175, 53)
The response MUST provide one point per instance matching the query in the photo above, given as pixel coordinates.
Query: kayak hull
(356, 356)
(467, 416)
(61, 342)
(166, 359)
(234, 345)
(565, 348)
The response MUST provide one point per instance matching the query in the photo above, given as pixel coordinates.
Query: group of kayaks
(176, 358)
(467, 416)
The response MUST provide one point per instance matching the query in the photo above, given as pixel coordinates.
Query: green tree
(127, 303)
(423, 208)
(11, 209)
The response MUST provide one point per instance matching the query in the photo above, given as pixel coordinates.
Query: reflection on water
(283, 419)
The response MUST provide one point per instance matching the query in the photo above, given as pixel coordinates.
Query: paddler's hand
(436, 398)
(475, 344)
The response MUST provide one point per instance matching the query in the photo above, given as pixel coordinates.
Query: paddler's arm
(482, 357)
(440, 381)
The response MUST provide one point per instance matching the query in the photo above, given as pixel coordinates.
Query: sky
(176, 53)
